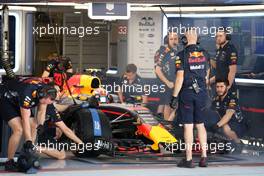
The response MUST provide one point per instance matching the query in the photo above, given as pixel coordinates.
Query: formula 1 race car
(111, 127)
(129, 121)
(115, 127)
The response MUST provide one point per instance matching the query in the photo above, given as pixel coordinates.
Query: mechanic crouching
(231, 121)
(16, 104)
(190, 90)
(50, 132)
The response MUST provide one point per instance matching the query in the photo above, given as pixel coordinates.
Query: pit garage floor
(239, 165)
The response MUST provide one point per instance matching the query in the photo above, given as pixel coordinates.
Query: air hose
(5, 44)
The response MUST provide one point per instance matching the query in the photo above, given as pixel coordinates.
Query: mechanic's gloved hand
(174, 102)
(28, 147)
(215, 128)
(41, 136)
(93, 102)
(40, 130)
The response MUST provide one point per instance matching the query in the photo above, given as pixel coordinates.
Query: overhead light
(46, 3)
(213, 15)
(81, 6)
(252, 81)
(198, 9)
(112, 71)
(21, 8)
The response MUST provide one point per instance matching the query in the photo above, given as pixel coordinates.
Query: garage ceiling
(171, 2)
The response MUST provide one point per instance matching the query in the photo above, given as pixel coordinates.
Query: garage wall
(88, 51)
(144, 39)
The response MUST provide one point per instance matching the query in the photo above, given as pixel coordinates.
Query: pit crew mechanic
(16, 104)
(51, 131)
(165, 70)
(131, 85)
(231, 120)
(59, 68)
(226, 60)
(190, 87)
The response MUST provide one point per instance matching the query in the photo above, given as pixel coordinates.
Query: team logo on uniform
(34, 94)
(27, 102)
(172, 54)
(178, 62)
(197, 67)
(196, 54)
(232, 103)
(197, 60)
(233, 58)
(233, 54)
(167, 49)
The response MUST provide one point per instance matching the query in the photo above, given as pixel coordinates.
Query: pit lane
(228, 164)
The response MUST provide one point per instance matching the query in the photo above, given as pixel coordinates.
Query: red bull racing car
(112, 126)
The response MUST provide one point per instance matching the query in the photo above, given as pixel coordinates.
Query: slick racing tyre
(93, 128)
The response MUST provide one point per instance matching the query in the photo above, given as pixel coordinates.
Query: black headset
(228, 36)
(166, 39)
(184, 40)
(47, 91)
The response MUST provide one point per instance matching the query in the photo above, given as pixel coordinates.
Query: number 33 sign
(122, 30)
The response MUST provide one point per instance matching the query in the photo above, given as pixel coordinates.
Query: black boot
(186, 164)
(11, 165)
(203, 162)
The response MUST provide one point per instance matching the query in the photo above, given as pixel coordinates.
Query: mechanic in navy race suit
(17, 101)
(229, 115)
(59, 68)
(164, 60)
(226, 60)
(50, 132)
(131, 84)
(190, 90)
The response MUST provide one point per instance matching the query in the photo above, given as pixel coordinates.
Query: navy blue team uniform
(18, 95)
(193, 60)
(131, 89)
(49, 128)
(237, 123)
(165, 58)
(226, 57)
